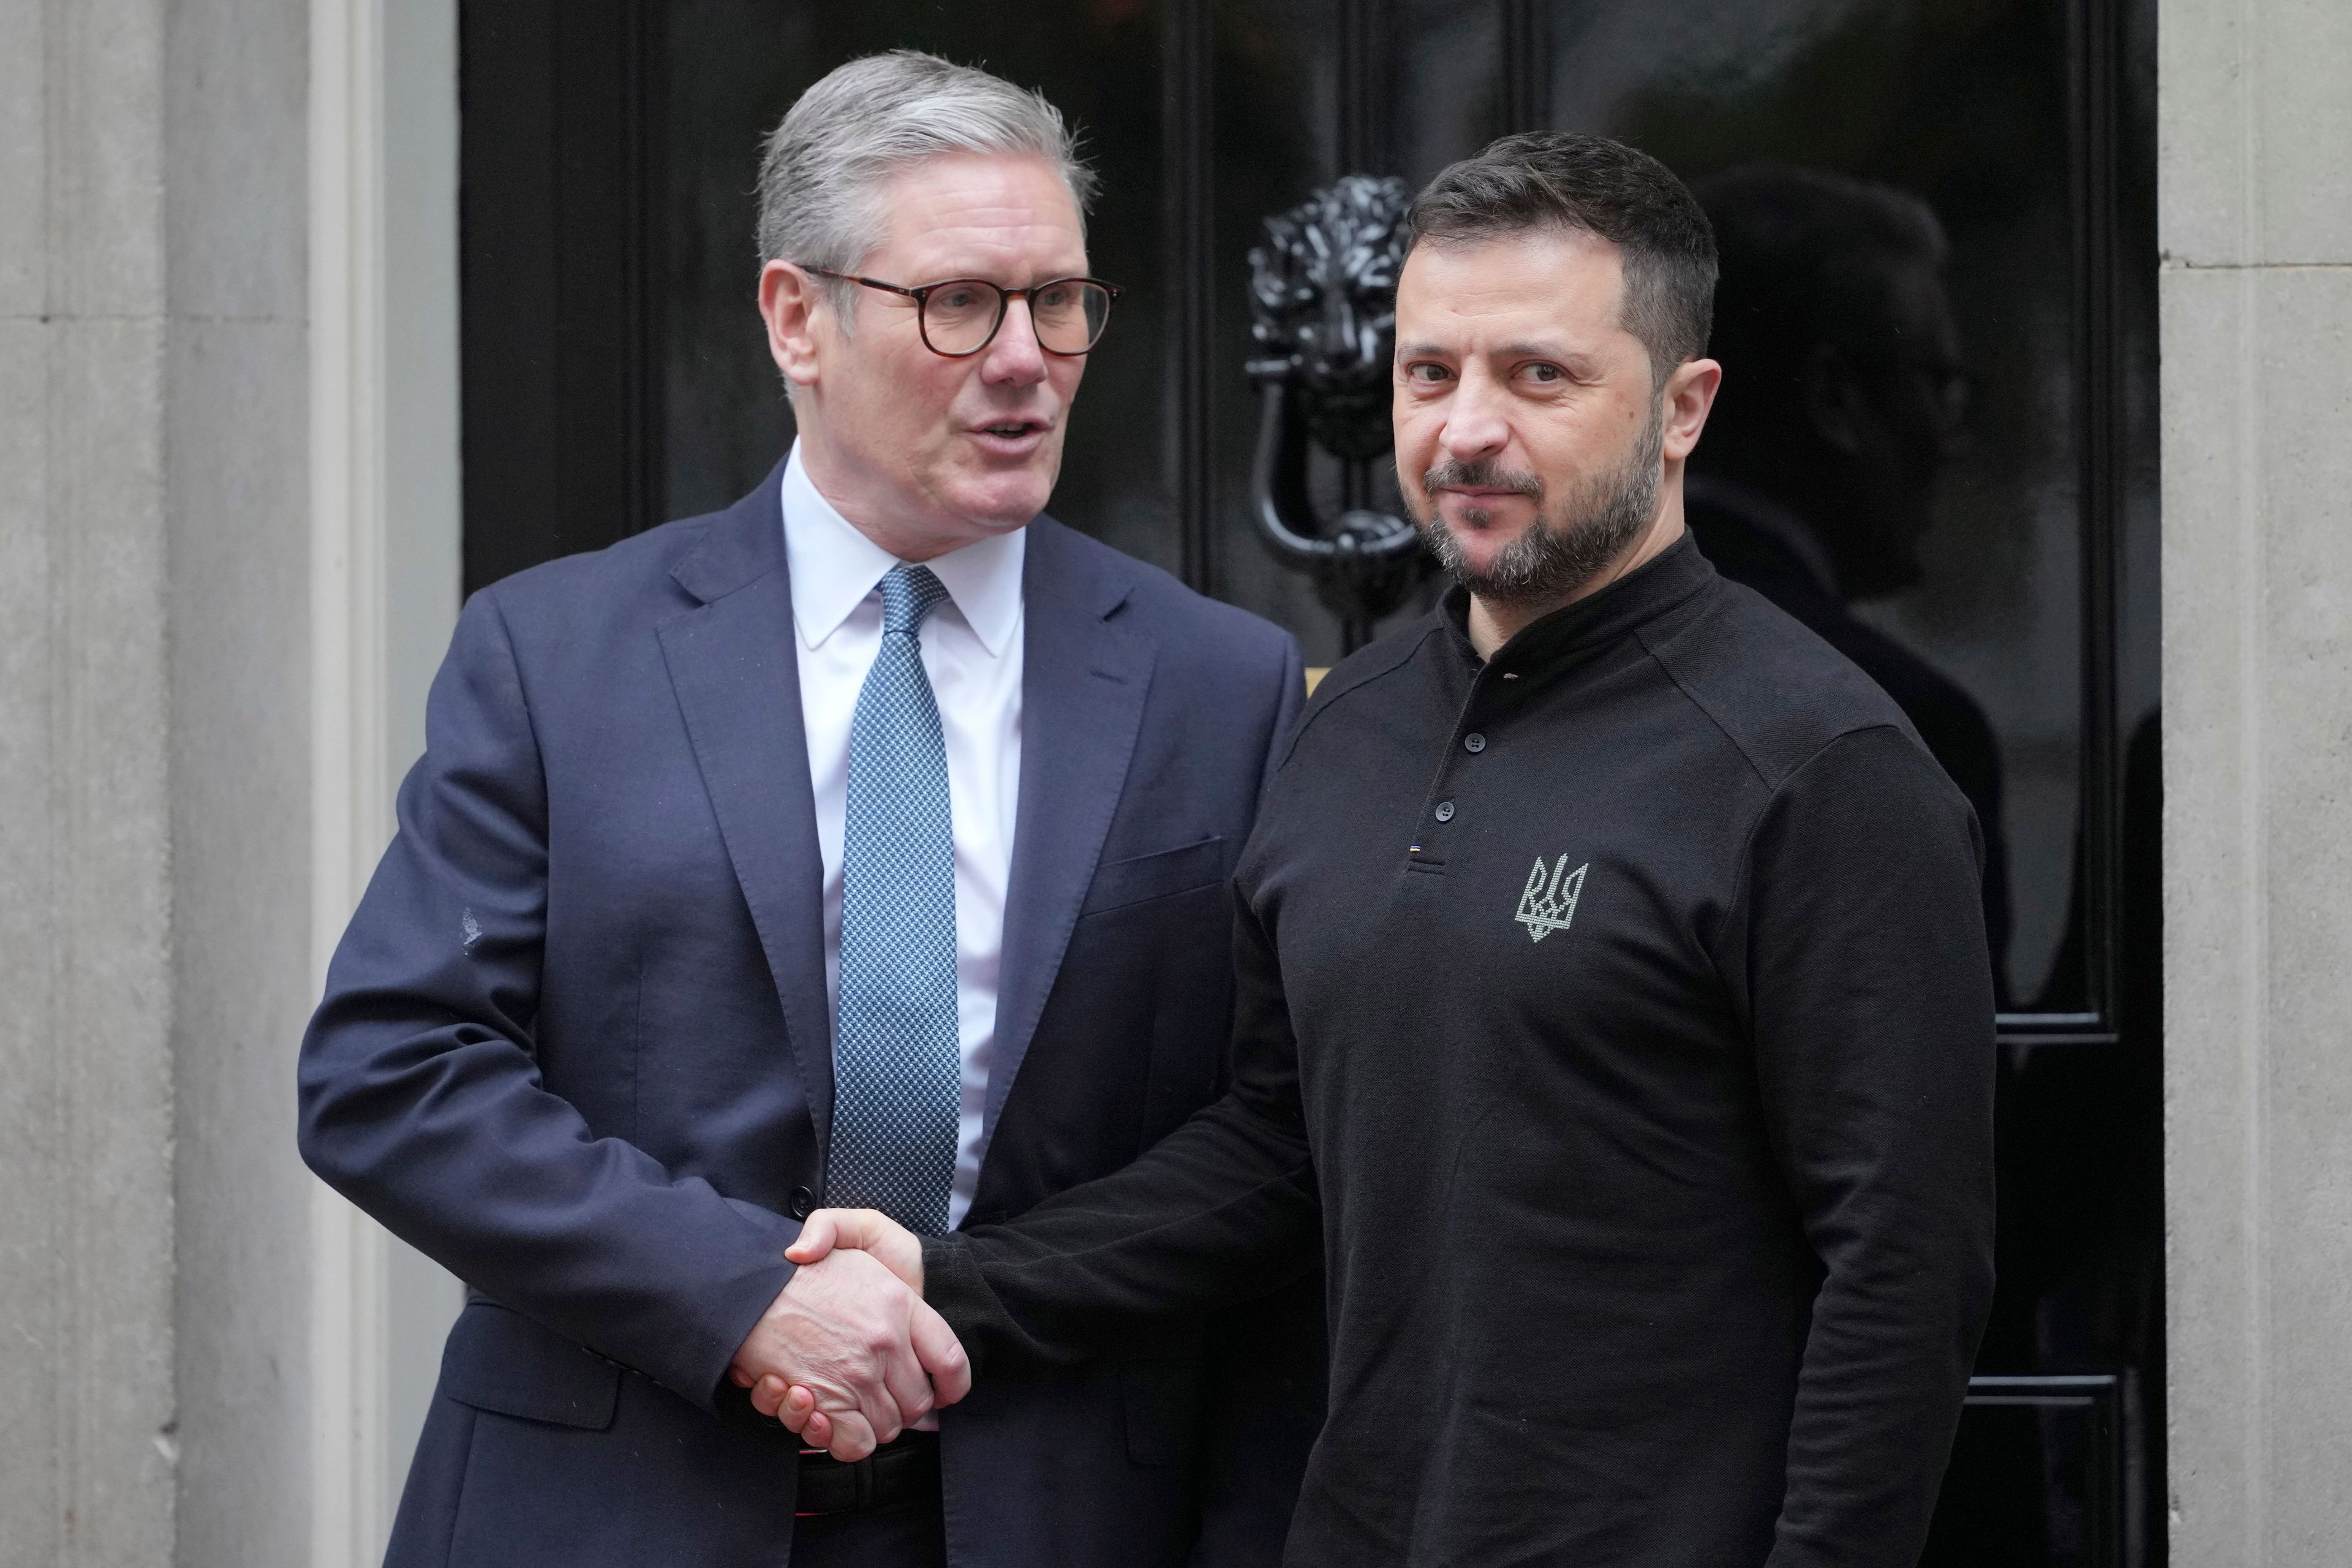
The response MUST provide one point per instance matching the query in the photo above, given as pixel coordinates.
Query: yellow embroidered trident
(1550, 902)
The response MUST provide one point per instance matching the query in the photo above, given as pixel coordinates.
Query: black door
(1948, 204)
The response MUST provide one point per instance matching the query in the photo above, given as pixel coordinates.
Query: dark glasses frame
(1005, 298)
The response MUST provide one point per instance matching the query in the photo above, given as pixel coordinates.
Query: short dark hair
(1560, 180)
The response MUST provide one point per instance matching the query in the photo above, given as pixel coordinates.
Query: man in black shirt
(1613, 988)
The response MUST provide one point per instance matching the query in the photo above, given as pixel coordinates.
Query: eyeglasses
(959, 317)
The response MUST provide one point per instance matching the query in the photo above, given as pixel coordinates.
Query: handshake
(849, 1355)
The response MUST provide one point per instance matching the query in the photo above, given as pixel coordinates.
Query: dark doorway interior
(2002, 585)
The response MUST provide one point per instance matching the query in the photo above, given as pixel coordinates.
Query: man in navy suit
(863, 843)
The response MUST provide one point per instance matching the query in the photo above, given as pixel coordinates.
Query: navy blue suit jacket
(576, 1047)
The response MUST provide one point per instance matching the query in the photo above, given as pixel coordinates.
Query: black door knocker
(1323, 310)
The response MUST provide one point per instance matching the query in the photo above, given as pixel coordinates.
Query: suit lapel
(732, 664)
(1083, 683)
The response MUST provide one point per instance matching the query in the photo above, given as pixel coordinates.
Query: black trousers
(912, 1536)
(907, 1532)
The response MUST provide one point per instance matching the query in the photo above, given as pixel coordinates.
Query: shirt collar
(833, 567)
(1565, 634)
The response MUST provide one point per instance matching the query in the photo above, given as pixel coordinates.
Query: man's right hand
(863, 1345)
(871, 1233)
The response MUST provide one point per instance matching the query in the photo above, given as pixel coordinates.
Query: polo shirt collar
(1659, 585)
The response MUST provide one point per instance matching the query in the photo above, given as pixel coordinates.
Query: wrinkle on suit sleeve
(420, 1099)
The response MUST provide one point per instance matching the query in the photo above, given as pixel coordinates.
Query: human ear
(789, 303)
(1689, 393)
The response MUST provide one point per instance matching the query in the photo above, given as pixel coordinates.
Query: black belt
(902, 1471)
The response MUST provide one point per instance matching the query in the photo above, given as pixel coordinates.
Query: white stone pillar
(2255, 144)
(89, 1448)
(236, 395)
(382, 599)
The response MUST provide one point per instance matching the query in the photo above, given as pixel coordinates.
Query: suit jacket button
(804, 1203)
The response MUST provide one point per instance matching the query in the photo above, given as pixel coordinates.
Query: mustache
(1480, 474)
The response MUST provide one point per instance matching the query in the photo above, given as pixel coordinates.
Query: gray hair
(821, 180)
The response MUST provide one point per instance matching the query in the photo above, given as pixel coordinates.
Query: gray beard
(1567, 545)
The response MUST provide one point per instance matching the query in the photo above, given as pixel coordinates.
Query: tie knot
(908, 594)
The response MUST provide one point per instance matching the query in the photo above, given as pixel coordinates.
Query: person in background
(1845, 398)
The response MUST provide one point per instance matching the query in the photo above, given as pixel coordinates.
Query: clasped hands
(849, 1355)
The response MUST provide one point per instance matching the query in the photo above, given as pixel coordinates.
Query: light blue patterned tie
(898, 1072)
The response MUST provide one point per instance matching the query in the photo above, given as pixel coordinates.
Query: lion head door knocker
(1323, 310)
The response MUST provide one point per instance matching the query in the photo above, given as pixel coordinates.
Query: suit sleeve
(420, 1099)
(1870, 992)
(1217, 1214)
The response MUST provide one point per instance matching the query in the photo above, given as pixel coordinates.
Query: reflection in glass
(1842, 407)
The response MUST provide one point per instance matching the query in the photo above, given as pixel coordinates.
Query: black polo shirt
(1623, 1006)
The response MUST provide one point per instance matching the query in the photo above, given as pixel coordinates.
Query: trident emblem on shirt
(1550, 902)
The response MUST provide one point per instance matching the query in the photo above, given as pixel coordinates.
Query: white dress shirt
(972, 651)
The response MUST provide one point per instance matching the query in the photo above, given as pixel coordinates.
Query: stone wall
(153, 767)
(2256, 189)
(88, 1456)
